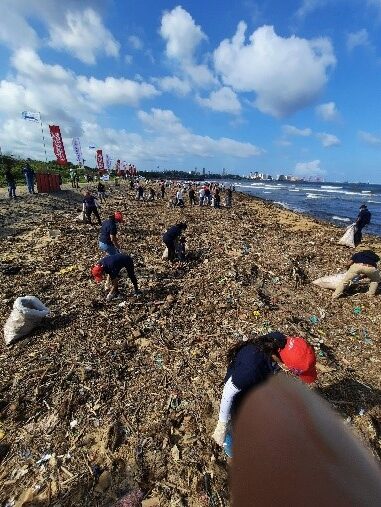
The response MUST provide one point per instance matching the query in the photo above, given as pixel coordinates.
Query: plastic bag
(330, 281)
(27, 313)
(165, 253)
(348, 239)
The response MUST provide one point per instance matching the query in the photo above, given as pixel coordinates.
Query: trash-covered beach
(119, 399)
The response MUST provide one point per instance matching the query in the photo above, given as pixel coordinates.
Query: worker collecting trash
(113, 266)
(171, 238)
(250, 363)
(362, 263)
(90, 207)
(107, 239)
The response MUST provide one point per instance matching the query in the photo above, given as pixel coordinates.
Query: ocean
(334, 202)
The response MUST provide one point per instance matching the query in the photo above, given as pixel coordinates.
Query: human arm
(228, 394)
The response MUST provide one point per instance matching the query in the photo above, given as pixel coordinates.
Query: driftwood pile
(110, 401)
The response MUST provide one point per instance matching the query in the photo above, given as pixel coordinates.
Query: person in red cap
(250, 363)
(112, 265)
(107, 238)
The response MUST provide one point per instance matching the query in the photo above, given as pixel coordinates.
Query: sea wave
(330, 186)
(313, 196)
(341, 219)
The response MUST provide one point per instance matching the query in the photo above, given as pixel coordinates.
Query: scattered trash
(175, 453)
(362, 412)
(159, 361)
(68, 269)
(44, 458)
(133, 499)
(357, 310)
(73, 423)
(313, 319)
(151, 502)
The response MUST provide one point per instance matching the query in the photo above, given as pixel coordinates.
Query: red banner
(100, 163)
(58, 146)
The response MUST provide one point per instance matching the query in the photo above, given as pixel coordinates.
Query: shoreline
(154, 366)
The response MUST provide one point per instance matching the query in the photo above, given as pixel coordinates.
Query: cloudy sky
(263, 85)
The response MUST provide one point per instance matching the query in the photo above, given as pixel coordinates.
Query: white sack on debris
(27, 313)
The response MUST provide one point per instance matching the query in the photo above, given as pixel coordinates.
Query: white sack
(348, 239)
(27, 313)
(165, 253)
(330, 281)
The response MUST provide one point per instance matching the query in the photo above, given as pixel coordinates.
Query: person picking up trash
(363, 263)
(112, 266)
(90, 207)
(171, 238)
(250, 363)
(363, 219)
(107, 239)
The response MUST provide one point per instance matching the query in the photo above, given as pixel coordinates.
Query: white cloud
(286, 74)
(309, 168)
(358, 39)
(368, 138)
(181, 34)
(29, 64)
(115, 91)
(171, 138)
(308, 6)
(15, 31)
(83, 35)
(290, 130)
(223, 100)
(135, 42)
(283, 142)
(328, 140)
(182, 37)
(328, 111)
(128, 59)
(173, 84)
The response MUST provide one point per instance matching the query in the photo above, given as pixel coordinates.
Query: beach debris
(27, 313)
(357, 310)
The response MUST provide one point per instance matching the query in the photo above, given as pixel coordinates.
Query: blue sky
(278, 87)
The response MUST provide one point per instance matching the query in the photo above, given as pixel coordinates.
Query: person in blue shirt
(90, 207)
(362, 263)
(29, 177)
(249, 364)
(107, 238)
(171, 238)
(112, 266)
(363, 219)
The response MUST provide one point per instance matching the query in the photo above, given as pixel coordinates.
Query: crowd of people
(249, 363)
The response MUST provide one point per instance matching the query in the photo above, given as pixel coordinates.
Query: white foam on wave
(313, 196)
(366, 191)
(294, 190)
(341, 219)
(283, 204)
(330, 186)
(375, 202)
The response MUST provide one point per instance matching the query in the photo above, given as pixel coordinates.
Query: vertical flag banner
(108, 162)
(58, 146)
(100, 163)
(78, 150)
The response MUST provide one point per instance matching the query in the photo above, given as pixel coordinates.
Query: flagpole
(43, 138)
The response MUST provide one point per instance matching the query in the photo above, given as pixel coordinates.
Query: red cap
(97, 272)
(299, 357)
(118, 216)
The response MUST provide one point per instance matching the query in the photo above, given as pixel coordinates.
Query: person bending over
(112, 266)
(171, 237)
(361, 263)
(250, 364)
(90, 207)
(107, 239)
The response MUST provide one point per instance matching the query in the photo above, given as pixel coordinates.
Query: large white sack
(348, 239)
(330, 281)
(27, 313)
(165, 253)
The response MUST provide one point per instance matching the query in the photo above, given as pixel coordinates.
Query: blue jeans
(110, 249)
(228, 444)
(11, 190)
(30, 185)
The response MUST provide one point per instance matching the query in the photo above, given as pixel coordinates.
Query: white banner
(108, 162)
(77, 150)
(28, 115)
